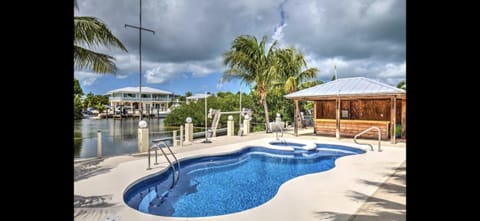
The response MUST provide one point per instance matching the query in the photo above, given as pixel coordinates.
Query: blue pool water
(224, 184)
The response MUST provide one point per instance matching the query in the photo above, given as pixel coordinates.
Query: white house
(127, 100)
(196, 97)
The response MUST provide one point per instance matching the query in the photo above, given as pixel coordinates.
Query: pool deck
(368, 186)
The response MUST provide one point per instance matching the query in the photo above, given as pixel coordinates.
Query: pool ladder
(156, 146)
(365, 131)
(276, 134)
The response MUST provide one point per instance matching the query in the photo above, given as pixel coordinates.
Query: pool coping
(295, 199)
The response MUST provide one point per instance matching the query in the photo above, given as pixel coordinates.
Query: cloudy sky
(362, 37)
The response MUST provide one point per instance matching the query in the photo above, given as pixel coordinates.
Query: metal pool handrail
(365, 131)
(276, 132)
(176, 172)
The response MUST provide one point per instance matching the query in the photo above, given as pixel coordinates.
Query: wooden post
(404, 117)
(337, 117)
(295, 116)
(393, 109)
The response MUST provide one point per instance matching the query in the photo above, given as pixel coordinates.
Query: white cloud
(86, 78)
(363, 38)
(127, 63)
(159, 74)
(393, 70)
(167, 71)
(348, 28)
(325, 66)
(278, 34)
(390, 73)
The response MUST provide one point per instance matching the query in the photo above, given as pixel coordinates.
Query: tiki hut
(348, 106)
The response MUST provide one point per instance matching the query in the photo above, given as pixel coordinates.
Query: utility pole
(140, 29)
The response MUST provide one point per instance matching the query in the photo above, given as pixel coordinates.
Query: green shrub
(398, 130)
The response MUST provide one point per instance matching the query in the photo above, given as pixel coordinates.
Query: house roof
(145, 90)
(197, 96)
(356, 86)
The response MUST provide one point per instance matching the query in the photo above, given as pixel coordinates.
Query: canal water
(119, 136)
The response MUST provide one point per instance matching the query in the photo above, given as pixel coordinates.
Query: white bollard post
(99, 144)
(188, 131)
(246, 125)
(230, 126)
(143, 137)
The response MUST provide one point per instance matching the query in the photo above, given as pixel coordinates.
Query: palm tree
(308, 84)
(334, 77)
(402, 85)
(93, 33)
(292, 62)
(248, 61)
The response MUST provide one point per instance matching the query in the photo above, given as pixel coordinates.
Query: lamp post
(240, 115)
(206, 136)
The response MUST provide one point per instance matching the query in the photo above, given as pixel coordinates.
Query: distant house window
(345, 114)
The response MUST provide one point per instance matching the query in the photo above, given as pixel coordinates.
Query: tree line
(95, 101)
(228, 101)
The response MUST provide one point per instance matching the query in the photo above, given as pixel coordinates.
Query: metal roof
(198, 96)
(145, 90)
(356, 86)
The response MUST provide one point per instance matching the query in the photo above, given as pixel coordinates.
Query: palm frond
(308, 74)
(308, 84)
(94, 33)
(97, 62)
(291, 85)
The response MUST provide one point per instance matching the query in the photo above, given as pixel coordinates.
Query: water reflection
(77, 139)
(119, 136)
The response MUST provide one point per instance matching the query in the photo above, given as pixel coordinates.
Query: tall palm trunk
(263, 99)
(297, 115)
(247, 60)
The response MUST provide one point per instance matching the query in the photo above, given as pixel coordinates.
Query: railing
(278, 127)
(365, 131)
(176, 172)
(137, 99)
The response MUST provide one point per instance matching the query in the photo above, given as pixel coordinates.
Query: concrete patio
(368, 186)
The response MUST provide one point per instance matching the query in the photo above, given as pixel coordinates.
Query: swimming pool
(224, 184)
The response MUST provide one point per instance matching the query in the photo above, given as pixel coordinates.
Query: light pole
(240, 115)
(206, 136)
